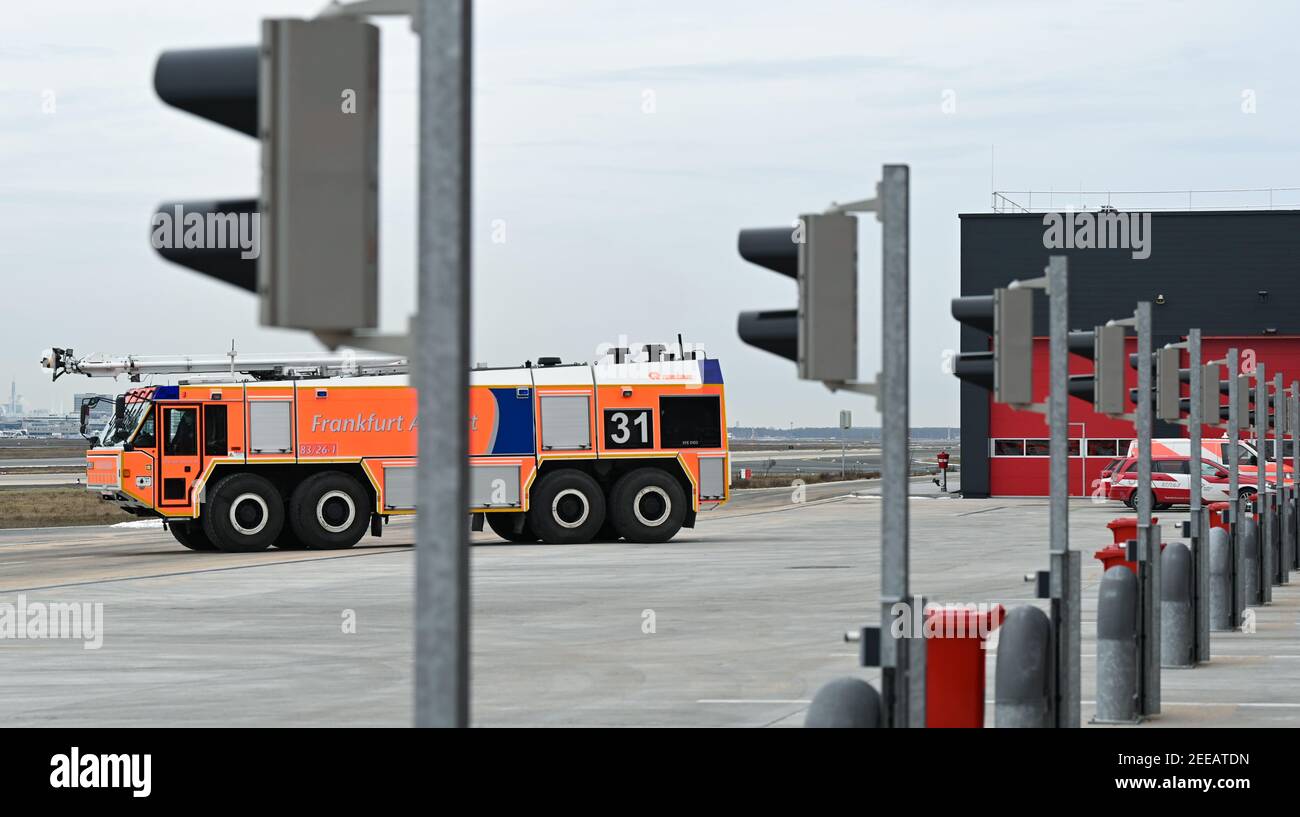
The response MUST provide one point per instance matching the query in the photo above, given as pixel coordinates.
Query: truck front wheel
(245, 514)
(329, 511)
(190, 534)
(647, 505)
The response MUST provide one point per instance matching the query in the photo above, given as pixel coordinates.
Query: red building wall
(1095, 438)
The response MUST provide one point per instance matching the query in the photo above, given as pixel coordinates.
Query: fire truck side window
(690, 422)
(144, 438)
(181, 437)
(215, 442)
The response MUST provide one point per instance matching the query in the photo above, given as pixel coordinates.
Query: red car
(1171, 482)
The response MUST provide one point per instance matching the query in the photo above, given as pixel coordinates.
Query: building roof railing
(1050, 201)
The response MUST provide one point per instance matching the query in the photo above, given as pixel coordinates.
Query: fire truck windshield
(135, 426)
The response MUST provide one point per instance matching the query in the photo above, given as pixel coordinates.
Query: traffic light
(309, 244)
(1243, 401)
(1008, 314)
(219, 84)
(1169, 384)
(821, 335)
(1109, 356)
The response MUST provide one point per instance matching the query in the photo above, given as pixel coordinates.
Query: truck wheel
(503, 525)
(567, 508)
(245, 514)
(190, 534)
(329, 511)
(648, 505)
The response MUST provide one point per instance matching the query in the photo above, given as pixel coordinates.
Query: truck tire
(647, 505)
(245, 514)
(190, 534)
(329, 511)
(566, 508)
(503, 525)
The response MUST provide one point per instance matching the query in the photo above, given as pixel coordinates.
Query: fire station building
(1233, 273)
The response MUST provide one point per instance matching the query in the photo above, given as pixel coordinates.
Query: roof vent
(548, 361)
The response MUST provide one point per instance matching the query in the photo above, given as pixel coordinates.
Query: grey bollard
(845, 703)
(1022, 697)
(1220, 580)
(1275, 542)
(1250, 546)
(1176, 618)
(1117, 647)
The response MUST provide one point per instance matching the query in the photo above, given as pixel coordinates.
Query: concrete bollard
(1220, 580)
(845, 703)
(1117, 647)
(1250, 547)
(1176, 621)
(1022, 698)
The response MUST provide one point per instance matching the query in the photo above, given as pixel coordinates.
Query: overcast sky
(622, 146)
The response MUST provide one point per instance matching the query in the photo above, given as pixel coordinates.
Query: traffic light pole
(442, 365)
(1259, 433)
(1293, 541)
(1277, 560)
(901, 656)
(1064, 585)
(1196, 532)
(1148, 541)
(902, 659)
(1235, 423)
(1294, 492)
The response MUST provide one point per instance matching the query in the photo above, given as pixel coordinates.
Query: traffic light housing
(1109, 357)
(1168, 384)
(821, 254)
(309, 244)
(1007, 314)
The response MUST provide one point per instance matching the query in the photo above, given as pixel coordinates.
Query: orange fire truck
(245, 452)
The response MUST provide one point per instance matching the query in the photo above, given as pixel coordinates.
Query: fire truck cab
(559, 453)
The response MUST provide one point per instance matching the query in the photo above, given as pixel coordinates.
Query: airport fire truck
(245, 452)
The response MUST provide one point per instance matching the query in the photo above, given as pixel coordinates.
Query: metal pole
(1065, 581)
(1277, 570)
(1237, 557)
(902, 684)
(1199, 541)
(1294, 424)
(442, 367)
(1264, 554)
(1148, 540)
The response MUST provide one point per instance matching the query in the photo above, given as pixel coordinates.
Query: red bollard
(1125, 528)
(954, 664)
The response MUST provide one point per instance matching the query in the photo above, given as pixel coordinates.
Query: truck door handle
(187, 469)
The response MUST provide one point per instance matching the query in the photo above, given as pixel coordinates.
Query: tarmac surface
(735, 623)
